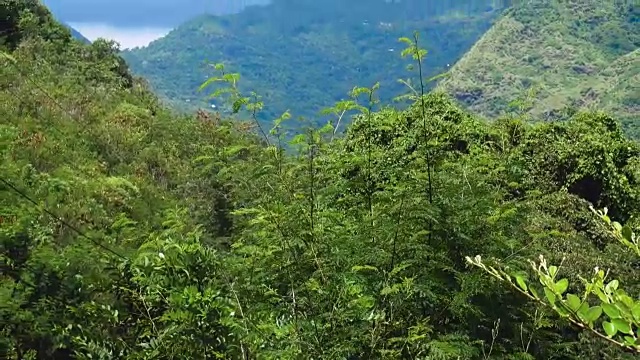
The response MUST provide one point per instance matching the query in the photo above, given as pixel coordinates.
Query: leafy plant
(603, 308)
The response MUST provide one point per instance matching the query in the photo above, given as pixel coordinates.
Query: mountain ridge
(304, 56)
(77, 35)
(561, 50)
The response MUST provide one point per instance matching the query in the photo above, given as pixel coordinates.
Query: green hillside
(571, 53)
(128, 231)
(617, 90)
(303, 55)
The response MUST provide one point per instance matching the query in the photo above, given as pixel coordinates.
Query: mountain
(570, 53)
(77, 35)
(616, 89)
(304, 55)
(142, 13)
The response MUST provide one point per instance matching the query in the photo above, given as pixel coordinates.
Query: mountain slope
(573, 53)
(617, 90)
(304, 55)
(77, 35)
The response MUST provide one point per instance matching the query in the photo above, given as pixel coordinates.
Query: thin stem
(335, 130)
(424, 129)
(369, 178)
(255, 119)
(395, 237)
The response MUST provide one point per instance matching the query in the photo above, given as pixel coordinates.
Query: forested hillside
(128, 231)
(301, 55)
(567, 54)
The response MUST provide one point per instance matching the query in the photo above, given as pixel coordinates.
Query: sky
(128, 37)
(136, 22)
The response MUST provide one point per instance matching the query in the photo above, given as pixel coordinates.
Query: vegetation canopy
(130, 231)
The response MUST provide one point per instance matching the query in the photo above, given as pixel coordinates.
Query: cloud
(128, 37)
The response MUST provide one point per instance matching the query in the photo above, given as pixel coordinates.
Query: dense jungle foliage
(130, 232)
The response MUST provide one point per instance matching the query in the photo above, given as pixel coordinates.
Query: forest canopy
(129, 231)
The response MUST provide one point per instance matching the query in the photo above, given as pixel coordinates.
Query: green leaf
(551, 297)
(521, 282)
(626, 300)
(611, 310)
(622, 326)
(627, 233)
(593, 314)
(630, 340)
(601, 295)
(612, 286)
(573, 302)
(327, 128)
(636, 312)
(406, 40)
(562, 311)
(357, 268)
(561, 286)
(582, 311)
(609, 328)
(553, 270)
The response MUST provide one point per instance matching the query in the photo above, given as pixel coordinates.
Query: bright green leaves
(623, 234)
(550, 295)
(342, 108)
(618, 316)
(603, 305)
(591, 315)
(561, 286)
(573, 302)
(521, 283)
(609, 328)
(612, 286)
(635, 311)
(412, 48)
(235, 97)
(231, 78)
(621, 325)
(611, 310)
(418, 54)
